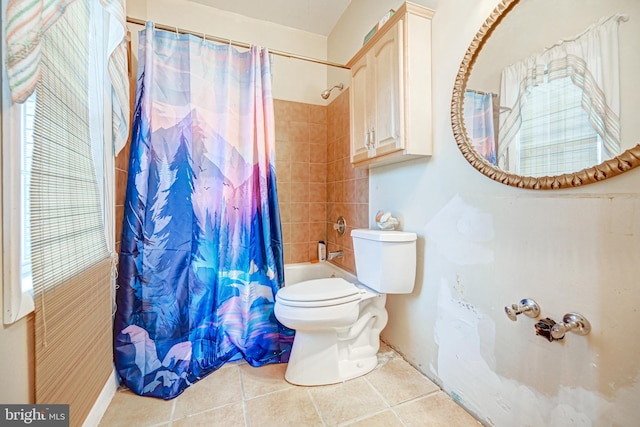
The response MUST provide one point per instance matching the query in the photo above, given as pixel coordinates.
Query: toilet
(338, 323)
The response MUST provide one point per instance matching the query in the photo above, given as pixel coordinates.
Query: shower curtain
(480, 119)
(201, 249)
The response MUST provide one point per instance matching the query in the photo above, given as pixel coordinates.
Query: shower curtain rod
(235, 43)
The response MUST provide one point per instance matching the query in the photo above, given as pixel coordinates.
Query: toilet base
(316, 360)
(332, 355)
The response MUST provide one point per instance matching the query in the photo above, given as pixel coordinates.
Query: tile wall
(301, 173)
(122, 166)
(347, 187)
(316, 182)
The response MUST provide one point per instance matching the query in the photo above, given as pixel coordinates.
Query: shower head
(327, 92)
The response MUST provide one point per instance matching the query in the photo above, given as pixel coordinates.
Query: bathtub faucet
(336, 254)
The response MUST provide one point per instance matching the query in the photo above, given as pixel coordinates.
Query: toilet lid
(318, 293)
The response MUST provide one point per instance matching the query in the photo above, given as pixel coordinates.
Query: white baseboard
(103, 401)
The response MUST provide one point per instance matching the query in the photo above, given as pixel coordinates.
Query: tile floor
(393, 394)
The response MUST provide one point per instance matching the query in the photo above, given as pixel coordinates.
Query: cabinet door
(360, 121)
(387, 81)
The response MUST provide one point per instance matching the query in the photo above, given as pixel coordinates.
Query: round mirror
(546, 96)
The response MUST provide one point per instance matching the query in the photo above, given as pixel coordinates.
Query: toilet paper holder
(571, 322)
(527, 306)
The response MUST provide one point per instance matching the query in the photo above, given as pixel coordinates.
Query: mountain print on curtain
(201, 248)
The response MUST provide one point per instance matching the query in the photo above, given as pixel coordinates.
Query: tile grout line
(245, 409)
(375, 390)
(273, 392)
(315, 405)
(173, 411)
(423, 396)
(362, 417)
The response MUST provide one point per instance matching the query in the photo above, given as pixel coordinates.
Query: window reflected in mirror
(546, 94)
(555, 108)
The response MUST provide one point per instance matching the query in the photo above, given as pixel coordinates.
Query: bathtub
(295, 273)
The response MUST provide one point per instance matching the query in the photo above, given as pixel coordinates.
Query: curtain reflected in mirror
(481, 118)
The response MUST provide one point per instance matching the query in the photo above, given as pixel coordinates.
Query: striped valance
(28, 20)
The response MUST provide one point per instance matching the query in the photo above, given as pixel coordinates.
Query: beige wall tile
(318, 152)
(122, 159)
(362, 216)
(362, 190)
(284, 192)
(317, 232)
(300, 172)
(120, 186)
(318, 192)
(299, 132)
(317, 133)
(350, 191)
(300, 252)
(318, 172)
(285, 212)
(318, 114)
(300, 233)
(299, 212)
(282, 129)
(293, 111)
(283, 150)
(283, 171)
(313, 250)
(317, 212)
(287, 253)
(286, 232)
(300, 192)
(300, 152)
(119, 221)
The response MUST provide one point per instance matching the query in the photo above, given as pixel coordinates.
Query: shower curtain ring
(177, 33)
(204, 38)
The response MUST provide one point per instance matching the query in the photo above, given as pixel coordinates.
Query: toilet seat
(319, 293)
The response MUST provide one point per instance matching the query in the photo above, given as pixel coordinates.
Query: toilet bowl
(338, 323)
(337, 326)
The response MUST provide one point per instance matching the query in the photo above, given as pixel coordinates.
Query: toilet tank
(385, 260)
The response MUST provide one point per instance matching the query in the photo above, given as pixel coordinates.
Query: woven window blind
(70, 261)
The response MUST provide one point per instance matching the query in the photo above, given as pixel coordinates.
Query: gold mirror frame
(615, 166)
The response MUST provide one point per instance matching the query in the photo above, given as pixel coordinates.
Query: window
(64, 124)
(17, 153)
(27, 116)
(556, 136)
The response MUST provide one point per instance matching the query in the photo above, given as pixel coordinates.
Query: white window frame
(17, 303)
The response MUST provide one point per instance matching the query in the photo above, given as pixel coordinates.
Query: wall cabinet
(390, 93)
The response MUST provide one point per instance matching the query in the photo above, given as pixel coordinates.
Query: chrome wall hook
(574, 322)
(529, 307)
